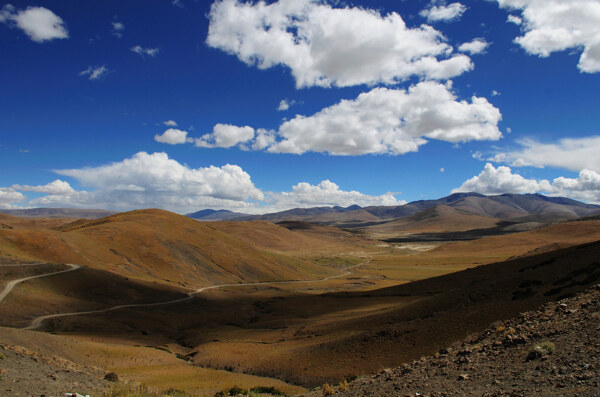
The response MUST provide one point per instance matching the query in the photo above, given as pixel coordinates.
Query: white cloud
(172, 136)
(170, 123)
(558, 25)
(156, 181)
(501, 180)
(226, 135)
(57, 187)
(450, 12)
(285, 104)
(151, 52)
(496, 93)
(381, 121)
(95, 72)
(155, 174)
(514, 19)
(476, 46)
(327, 193)
(150, 181)
(8, 197)
(117, 28)
(325, 46)
(39, 23)
(390, 121)
(585, 187)
(178, 3)
(573, 154)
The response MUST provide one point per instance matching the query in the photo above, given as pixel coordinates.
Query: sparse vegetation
(122, 389)
(540, 350)
(328, 390)
(2, 356)
(255, 391)
(267, 390)
(343, 386)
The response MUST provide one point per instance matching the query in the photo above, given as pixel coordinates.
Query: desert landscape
(299, 198)
(177, 305)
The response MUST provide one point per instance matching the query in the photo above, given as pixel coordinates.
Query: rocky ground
(554, 351)
(27, 373)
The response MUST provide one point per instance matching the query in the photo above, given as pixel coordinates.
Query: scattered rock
(111, 377)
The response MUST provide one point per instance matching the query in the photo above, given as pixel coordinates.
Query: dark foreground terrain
(554, 351)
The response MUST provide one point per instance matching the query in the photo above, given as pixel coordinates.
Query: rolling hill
(155, 245)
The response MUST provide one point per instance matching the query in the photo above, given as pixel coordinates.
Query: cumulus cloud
(585, 187)
(9, 197)
(571, 153)
(156, 181)
(151, 52)
(328, 193)
(156, 175)
(390, 121)
(57, 187)
(39, 23)
(95, 72)
(558, 25)
(170, 123)
(476, 46)
(381, 121)
(501, 180)
(326, 46)
(172, 136)
(446, 13)
(226, 135)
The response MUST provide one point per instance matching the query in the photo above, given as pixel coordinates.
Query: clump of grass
(2, 356)
(500, 329)
(540, 350)
(328, 390)
(343, 386)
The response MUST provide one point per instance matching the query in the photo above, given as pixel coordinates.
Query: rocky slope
(552, 351)
(27, 373)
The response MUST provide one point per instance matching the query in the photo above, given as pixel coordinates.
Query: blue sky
(255, 107)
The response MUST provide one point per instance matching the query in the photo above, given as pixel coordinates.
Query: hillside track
(9, 287)
(37, 322)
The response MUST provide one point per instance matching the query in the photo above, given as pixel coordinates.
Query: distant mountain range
(59, 213)
(513, 207)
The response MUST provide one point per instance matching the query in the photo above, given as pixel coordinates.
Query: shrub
(328, 390)
(2, 356)
(540, 350)
(267, 390)
(343, 385)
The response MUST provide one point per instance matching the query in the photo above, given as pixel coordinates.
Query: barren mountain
(59, 213)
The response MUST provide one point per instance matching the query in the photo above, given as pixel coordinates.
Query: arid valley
(200, 307)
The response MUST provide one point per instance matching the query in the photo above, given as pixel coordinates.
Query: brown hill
(160, 246)
(293, 236)
(438, 219)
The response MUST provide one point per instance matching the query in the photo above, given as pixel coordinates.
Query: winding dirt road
(38, 321)
(13, 283)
